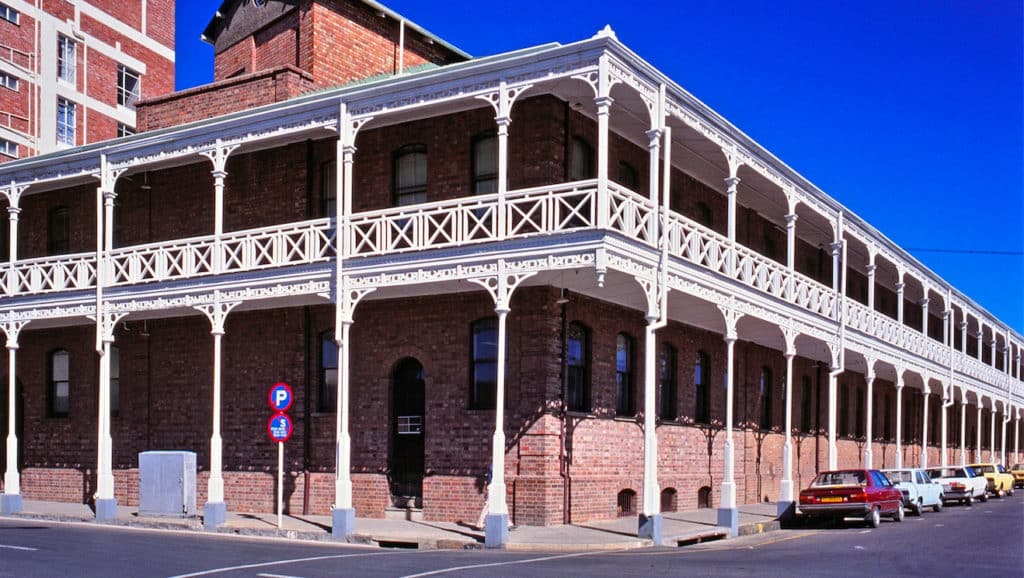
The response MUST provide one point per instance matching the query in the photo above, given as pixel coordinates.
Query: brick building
(71, 72)
(555, 262)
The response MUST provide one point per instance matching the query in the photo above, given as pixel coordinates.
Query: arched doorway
(405, 460)
(19, 423)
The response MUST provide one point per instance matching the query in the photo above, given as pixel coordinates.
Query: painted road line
(6, 547)
(213, 571)
(496, 564)
(276, 576)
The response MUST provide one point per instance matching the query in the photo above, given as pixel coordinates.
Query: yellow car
(1000, 481)
(1018, 475)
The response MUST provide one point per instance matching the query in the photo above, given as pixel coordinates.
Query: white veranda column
(899, 418)
(944, 439)
(869, 418)
(992, 432)
(925, 394)
(10, 500)
(1002, 434)
(786, 484)
(977, 445)
(833, 458)
(343, 441)
(963, 428)
(727, 513)
(652, 490)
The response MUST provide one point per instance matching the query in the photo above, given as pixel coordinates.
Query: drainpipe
(838, 273)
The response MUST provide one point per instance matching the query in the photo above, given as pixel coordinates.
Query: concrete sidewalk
(679, 528)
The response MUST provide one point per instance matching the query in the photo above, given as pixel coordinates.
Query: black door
(407, 409)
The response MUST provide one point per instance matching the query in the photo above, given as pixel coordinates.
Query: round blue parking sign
(279, 427)
(280, 397)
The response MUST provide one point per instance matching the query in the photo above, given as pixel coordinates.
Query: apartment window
(328, 188)
(887, 424)
(667, 382)
(115, 381)
(624, 398)
(485, 164)
(908, 421)
(411, 175)
(66, 59)
(9, 14)
(328, 399)
(60, 385)
(65, 122)
(844, 409)
(124, 130)
(485, 364)
(58, 231)
(805, 404)
(765, 389)
(701, 375)
(8, 148)
(578, 367)
(9, 81)
(861, 419)
(581, 160)
(628, 176)
(129, 86)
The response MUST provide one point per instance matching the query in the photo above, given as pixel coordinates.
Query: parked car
(919, 491)
(1018, 475)
(1000, 481)
(960, 484)
(838, 494)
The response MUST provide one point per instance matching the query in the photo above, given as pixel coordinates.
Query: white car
(919, 490)
(960, 484)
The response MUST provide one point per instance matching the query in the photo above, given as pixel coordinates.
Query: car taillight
(858, 496)
(958, 487)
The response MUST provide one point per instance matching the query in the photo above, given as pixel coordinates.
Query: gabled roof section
(216, 25)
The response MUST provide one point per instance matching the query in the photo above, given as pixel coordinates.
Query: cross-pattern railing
(50, 275)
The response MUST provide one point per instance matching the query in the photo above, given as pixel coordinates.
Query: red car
(866, 494)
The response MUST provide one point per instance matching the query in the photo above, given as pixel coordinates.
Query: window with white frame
(410, 173)
(60, 384)
(124, 130)
(8, 148)
(9, 14)
(129, 86)
(65, 122)
(9, 81)
(66, 59)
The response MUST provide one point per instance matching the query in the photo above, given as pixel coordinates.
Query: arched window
(115, 381)
(485, 163)
(626, 503)
(805, 405)
(701, 378)
(705, 216)
(669, 500)
(58, 231)
(578, 367)
(60, 384)
(328, 399)
(484, 364)
(628, 176)
(765, 390)
(410, 175)
(328, 188)
(704, 497)
(667, 382)
(581, 160)
(624, 398)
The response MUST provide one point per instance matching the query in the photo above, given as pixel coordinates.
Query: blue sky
(909, 112)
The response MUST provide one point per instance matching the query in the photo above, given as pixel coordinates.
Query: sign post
(279, 428)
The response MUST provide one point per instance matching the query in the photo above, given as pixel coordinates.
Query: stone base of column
(729, 518)
(106, 509)
(10, 503)
(343, 523)
(786, 511)
(496, 531)
(650, 527)
(214, 514)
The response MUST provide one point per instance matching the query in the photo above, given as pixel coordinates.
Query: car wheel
(938, 506)
(1010, 491)
(969, 501)
(916, 508)
(984, 497)
(874, 518)
(1000, 493)
(898, 516)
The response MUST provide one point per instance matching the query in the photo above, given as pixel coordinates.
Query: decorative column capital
(217, 314)
(654, 138)
(836, 247)
(924, 302)
(603, 104)
(900, 287)
(791, 219)
(12, 329)
(871, 268)
(732, 183)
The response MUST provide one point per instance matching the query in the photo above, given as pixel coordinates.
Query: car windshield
(947, 473)
(855, 478)
(896, 476)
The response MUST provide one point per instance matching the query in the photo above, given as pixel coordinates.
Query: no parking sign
(279, 427)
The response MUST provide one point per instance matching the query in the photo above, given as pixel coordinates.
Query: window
(626, 503)
(933, 427)
(129, 86)
(124, 130)
(805, 404)
(843, 408)
(765, 389)
(628, 177)
(65, 122)
(624, 398)
(669, 500)
(578, 368)
(9, 14)
(5, 240)
(115, 381)
(58, 227)
(8, 148)
(66, 64)
(9, 81)
(705, 216)
(887, 424)
(704, 497)
(667, 382)
(328, 188)
(328, 372)
(60, 386)
(485, 164)
(411, 175)
(484, 364)
(908, 421)
(860, 422)
(581, 160)
(701, 375)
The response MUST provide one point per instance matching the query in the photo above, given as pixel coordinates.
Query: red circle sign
(279, 427)
(280, 397)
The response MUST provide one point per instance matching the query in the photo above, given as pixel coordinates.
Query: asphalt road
(985, 540)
